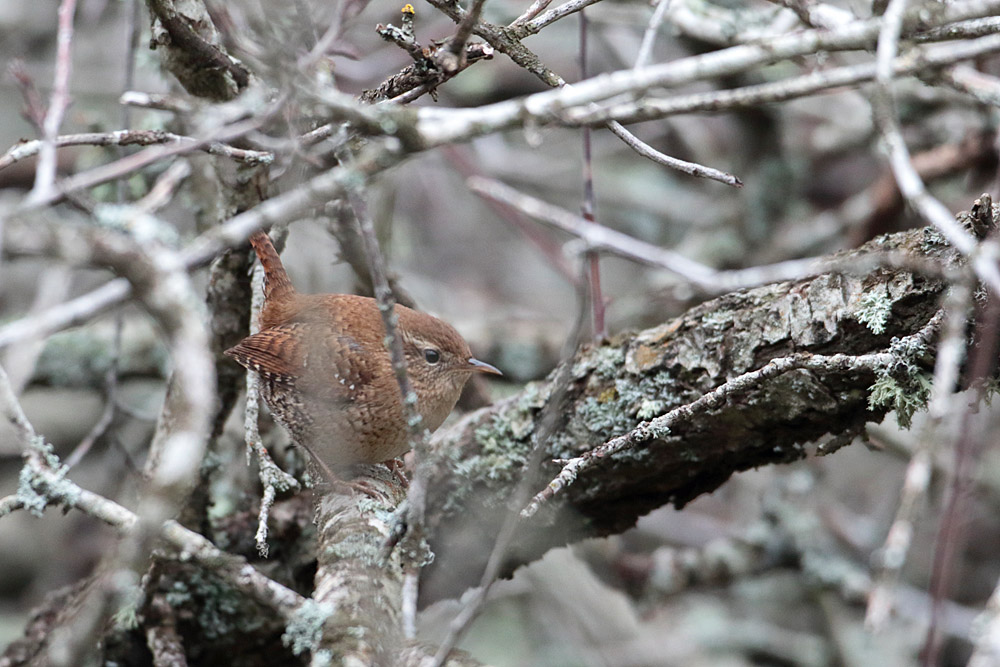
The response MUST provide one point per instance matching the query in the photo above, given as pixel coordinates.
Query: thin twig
(537, 7)
(272, 478)
(417, 432)
(595, 236)
(547, 422)
(952, 532)
(914, 61)
(661, 426)
(457, 42)
(533, 26)
(45, 173)
(910, 184)
(690, 168)
(588, 207)
(26, 149)
(648, 37)
(163, 190)
(918, 473)
(110, 400)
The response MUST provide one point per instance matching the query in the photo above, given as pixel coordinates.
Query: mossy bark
(637, 376)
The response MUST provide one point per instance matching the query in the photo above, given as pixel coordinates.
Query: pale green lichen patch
(605, 362)
(221, 609)
(356, 547)
(29, 497)
(603, 414)
(381, 512)
(614, 411)
(305, 629)
(932, 239)
(36, 491)
(499, 458)
(902, 386)
(649, 409)
(905, 401)
(874, 309)
(127, 616)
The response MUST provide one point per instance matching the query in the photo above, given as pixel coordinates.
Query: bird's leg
(396, 467)
(346, 487)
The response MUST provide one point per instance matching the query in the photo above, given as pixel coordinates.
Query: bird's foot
(397, 467)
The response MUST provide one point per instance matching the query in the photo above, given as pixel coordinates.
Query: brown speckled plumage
(327, 378)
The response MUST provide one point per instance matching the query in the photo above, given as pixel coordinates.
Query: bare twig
(910, 184)
(34, 108)
(13, 413)
(143, 100)
(690, 168)
(537, 7)
(456, 45)
(67, 314)
(660, 426)
(272, 478)
(547, 423)
(533, 26)
(652, 107)
(951, 530)
(939, 411)
(595, 236)
(163, 190)
(110, 400)
(27, 149)
(448, 125)
(588, 209)
(414, 544)
(980, 85)
(648, 37)
(45, 173)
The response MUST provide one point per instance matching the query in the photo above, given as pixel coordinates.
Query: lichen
(932, 239)
(604, 362)
(355, 547)
(614, 410)
(221, 608)
(887, 392)
(498, 458)
(127, 616)
(874, 309)
(902, 386)
(649, 409)
(305, 629)
(36, 492)
(29, 497)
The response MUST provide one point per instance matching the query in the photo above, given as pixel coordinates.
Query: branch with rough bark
(822, 332)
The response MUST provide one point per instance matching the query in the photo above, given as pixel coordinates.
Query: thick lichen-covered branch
(635, 378)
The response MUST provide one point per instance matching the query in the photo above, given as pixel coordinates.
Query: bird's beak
(483, 367)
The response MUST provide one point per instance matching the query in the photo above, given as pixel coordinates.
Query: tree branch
(634, 378)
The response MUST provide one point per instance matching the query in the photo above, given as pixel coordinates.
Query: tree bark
(615, 386)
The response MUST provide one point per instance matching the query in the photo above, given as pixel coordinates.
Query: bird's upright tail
(278, 289)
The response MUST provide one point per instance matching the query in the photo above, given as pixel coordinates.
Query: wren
(326, 375)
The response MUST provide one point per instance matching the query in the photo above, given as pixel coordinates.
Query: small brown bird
(327, 377)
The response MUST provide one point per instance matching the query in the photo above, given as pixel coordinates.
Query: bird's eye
(432, 356)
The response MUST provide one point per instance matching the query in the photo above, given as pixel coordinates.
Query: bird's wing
(324, 363)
